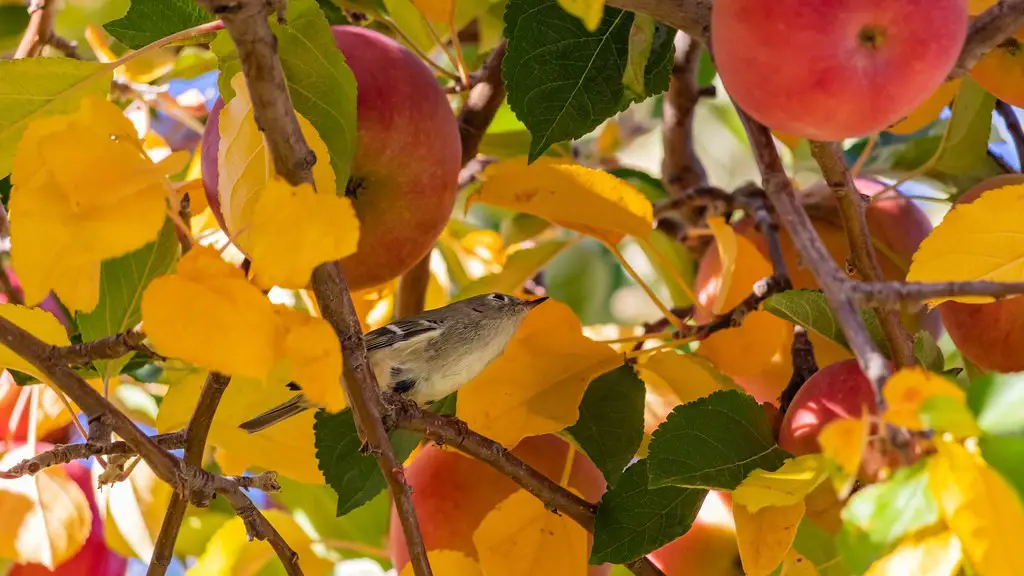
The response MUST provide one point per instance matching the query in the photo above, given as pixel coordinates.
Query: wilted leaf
(231, 553)
(244, 168)
(521, 536)
(713, 442)
(783, 487)
(979, 506)
(611, 424)
(993, 252)
(997, 401)
(294, 229)
(888, 511)
(584, 199)
(83, 175)
(47, 517)
(934, 555)
(520, 266)
(689, 377)
(150, 20)
(133, 511)
(320, 84)
(447, 562)
(563, 80)
(355, 477)
(536, 385)
(37, 322)
(33, 88)
(634, 519)
(766, 536)
(810, 309)
(908, 389)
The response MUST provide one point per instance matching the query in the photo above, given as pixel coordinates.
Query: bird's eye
(498, 297)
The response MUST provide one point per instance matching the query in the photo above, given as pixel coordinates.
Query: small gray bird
(428, 356)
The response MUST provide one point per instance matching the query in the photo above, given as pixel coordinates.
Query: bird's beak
(534, 303)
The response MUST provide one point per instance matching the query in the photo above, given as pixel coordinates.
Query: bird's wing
(400, 331)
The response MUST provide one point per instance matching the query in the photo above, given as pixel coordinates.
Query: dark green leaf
(611, 424)
(888, 511)
(355, 477)
(965, 153)
(1006, 455)
(810, 309)
(334, 14)
(634, 519)
(713, 442)
(948, 414)
(5, 190)
(122, 282)
(927, 351)
(563, 80)
(150, 20)
(321, 84)
(446, 405)
(997, 401)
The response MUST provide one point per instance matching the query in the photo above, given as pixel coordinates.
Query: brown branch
(199, 485)
(681, 169)
(903, 293)
(830, 159)
(412, 289)
(1014, 128)
(791, 214)
(13, 295)
(108, 348)
(65, 453)
(39, 29)
(196, 433)
(690, 16)
(483, 103)
(987, 31)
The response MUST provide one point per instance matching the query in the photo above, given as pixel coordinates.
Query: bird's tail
(295, 405)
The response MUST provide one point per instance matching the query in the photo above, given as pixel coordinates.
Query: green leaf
(355, 477)
(520, 267)
(713, 442)
(562, 80)
(1006, 455)
(33, 88)
(965, 153)
(320, 83)
(948, 414)
(810, 309)
(858, 550)
(634, 518)
(928, 353)
(641, 35)
(334, 14)
(888, 511)
(997, 401)
(819, 547)
(582, 277)
(122, 282)
(681, 260)
(611, 424)
(150, 20)
(521, 227)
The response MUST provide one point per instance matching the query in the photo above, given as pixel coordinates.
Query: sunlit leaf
(750, 348)
(740, 262)
(37, 322)
(928, 111)
(447, 562)
(584, 199)
(933, 555)
(909, 388)
(641, 36)
(520, 536)
(997, 401)
(810, 309)
(231, 553)
(794, 564)
(843, 442)
(438, 11)
(133, 511)
(536, 385)
(888, 511)
(520, 266)
(993, 252)
(783, 487)
(766, 536)
(689, 377)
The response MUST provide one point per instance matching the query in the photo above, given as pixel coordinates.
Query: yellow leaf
(245, 165)
(81, 176)
(287, 447)
(437, 11)
(588, 11)
(725, 241)
(735, 281)
(47, 517)
(981, 508)
(132, 511)
(749, 349)
(586, 200)
(794, 564)
(994, 252)
(907, 391)
(536, 385)
(788, 140)
(784, 487)
(37, 322)
(231, 553)
(766, 536)
(934, 555)
(311, 356)
(689, 377)
(521, 536)
(928, 111)
(207, 313)
(294, 229)
(843, 442)
(447, 562)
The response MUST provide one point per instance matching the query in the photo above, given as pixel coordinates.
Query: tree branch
(64, 453)
(987, 31)
(1014, 128)
(39, 32)
(903, 293)
(681, 169)
(108, 348)
(830, 159)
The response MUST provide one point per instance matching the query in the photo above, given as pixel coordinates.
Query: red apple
(453, 493)
(840, 390)
(989, 335)
(709, 548)
(834, 69)
(408, 155)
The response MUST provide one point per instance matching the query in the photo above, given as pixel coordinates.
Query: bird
(430, 355)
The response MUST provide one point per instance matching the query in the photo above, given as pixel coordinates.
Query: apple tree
(778, 245)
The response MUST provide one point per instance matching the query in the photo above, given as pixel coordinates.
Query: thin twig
(1014, 128)
(909, 294)
(987, 31)
(681, 169)
(108, 348)
(39, 29)
(65, 453)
